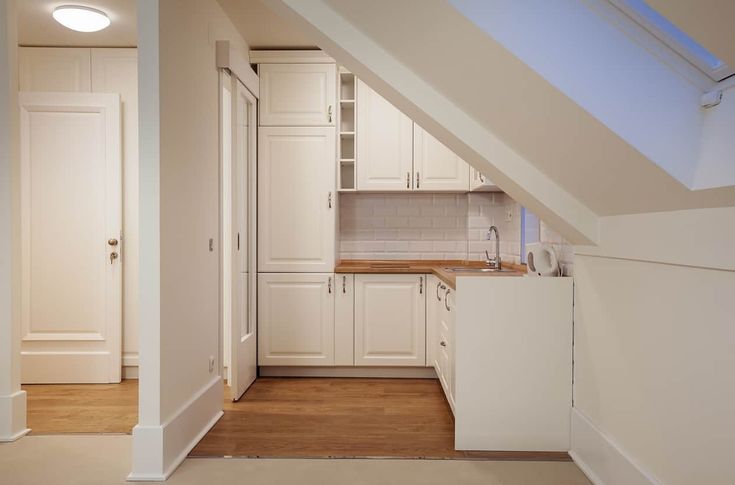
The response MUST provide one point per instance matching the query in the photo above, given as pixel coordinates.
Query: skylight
(675, 38)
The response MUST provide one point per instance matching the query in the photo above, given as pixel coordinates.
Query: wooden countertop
(415, 266)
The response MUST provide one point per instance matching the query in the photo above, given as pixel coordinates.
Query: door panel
(54, 69)
(384, 143)
(436, 167)
(390, 320)
(71, 290)
(344, 320)
(243, 332)
(295, 319)
(296, 200)
(297, 94)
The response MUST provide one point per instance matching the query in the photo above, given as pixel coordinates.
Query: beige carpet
(103, 460)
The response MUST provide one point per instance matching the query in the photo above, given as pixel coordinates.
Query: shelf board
(347, 134)
(347, 160)
(347, 101)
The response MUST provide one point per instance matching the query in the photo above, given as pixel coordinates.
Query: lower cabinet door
(390, 320)
(444, 346)
(296, 319)
(344, 320)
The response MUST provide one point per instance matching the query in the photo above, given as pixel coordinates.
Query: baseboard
(13, 417)
(159, 450)
(601, 459)
(366, 372)
(130, 372)
(130, 359)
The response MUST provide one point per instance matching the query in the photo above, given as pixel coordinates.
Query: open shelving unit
(347, 126)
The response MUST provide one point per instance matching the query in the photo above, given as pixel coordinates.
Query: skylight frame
(674, 38)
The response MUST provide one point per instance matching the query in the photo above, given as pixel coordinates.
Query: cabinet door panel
(480, 183)
(436, 167)
(390, 320)
(295, 319)
(54, 69)
(344, 320)
(297, 94)
(296, 199)
(384, 143)
(445, 346)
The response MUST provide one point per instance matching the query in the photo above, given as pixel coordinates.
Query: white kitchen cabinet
(55, 69)
(434, 294)
(296, 319)
(384, 144)
(444, 351)
(344, 320)
(435, 166)
(296, 199)
(480, 183)
(297, 94)
(390, 320)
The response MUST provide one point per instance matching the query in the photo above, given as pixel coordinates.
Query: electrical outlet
(509, 215)
(211, 364)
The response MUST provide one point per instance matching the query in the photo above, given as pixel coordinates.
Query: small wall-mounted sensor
(711, 99)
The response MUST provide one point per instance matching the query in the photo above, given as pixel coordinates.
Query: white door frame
(64, 356)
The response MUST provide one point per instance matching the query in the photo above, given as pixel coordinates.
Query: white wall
(180, 398)
(654, 359)
(12, 399)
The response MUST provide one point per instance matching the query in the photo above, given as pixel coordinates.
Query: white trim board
(366, 372)
(601, 459)
(159, 450)
(229, 58)
(290, 57)
(13, 417)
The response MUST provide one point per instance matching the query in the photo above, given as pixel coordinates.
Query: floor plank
(82, 408)
(345, 418)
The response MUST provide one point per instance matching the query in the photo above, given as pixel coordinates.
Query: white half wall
(654, 359)
(12, 399)
(181, 393)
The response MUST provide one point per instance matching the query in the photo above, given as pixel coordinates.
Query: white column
(12, 399)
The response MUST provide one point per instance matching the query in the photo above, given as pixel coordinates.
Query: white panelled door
(435, 166)
(243, 334)
(70, 238)
(384, 143)
(296, 199)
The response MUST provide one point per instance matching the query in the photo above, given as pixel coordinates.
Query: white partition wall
(181, 387)
(12, 398)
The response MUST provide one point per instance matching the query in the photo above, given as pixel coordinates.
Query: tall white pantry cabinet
(297, 198)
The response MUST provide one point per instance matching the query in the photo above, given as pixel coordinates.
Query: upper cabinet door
(296, 199)
(298, 94)
(384, 143)
(390, 319)
(55, 69)
(435, 166)
(480, 183)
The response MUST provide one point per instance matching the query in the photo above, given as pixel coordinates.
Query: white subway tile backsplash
(435, 226)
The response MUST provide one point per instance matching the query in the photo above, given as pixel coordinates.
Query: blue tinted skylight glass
(676, 34)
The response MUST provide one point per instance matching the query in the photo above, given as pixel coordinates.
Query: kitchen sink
(467, 269)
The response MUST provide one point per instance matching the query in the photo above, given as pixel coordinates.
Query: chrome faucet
(495, 262)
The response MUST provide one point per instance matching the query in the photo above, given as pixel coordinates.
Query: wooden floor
(82, 408)
(324, 417)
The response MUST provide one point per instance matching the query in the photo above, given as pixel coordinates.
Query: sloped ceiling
(709, 22)
(262, 28)
(420, 53)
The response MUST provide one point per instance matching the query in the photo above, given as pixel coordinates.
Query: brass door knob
(112, 242)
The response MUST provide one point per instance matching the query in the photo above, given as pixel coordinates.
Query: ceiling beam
(437, 114)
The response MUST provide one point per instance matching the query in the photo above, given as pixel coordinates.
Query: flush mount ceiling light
(81, 19)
